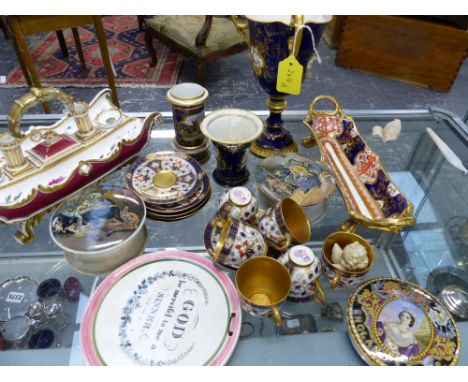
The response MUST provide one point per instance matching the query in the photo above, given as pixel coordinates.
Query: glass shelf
(433, 253)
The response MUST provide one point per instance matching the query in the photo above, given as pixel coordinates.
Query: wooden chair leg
(79, 49)
(4, 27)
(61, 40)
(141, 22)
(106, 58)
(201, 72)
(25, 57)
(150, 47)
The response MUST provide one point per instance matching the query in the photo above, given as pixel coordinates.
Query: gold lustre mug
(285, 224)
(340, 277)
(263, 283)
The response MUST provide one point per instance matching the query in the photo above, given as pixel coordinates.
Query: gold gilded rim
(360, 239)
(273, 261)
(264, 153)
(303, 215)
(222, 239)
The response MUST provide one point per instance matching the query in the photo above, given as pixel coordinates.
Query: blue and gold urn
(271, 40)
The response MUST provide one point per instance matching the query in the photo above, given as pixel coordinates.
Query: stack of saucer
(172, 185)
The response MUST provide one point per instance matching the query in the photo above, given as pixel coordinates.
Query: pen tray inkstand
(44, 165)
(371, 197)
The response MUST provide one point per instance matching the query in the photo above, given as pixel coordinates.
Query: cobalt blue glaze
(187, 125)
(269, 45)
(231, 169)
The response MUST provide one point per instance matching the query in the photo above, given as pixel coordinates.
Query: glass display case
(432, 253)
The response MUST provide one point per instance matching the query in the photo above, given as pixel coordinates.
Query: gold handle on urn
(241, 26)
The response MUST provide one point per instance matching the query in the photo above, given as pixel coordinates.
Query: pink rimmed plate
(163, 308)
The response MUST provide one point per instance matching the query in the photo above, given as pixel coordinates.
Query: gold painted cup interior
(263, 281)
(295, 220)
(343, 239)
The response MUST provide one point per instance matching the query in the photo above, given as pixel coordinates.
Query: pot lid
(306, 181)
(394, 322)
(302, 256)
(164, 308)
(96, 219)
(16, 296)
(187, 94)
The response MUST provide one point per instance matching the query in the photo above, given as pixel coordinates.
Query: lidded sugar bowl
(305, 269)
(100, 228)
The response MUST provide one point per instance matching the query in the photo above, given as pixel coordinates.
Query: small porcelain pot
(285, 224)
(338, 277)
(305, 270)
(238, 242)
(100, 228)
(187, 101)
(239, 203)
(231, 131)
(263, 283)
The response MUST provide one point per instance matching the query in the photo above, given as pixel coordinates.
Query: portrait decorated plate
(306, 181)
(165, 177)
(394, 322)
(164, 308)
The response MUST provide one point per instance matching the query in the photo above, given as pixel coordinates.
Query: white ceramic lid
(240, 196)
(301, 255)
(232, 126)
(96, 219)
(187, 94)
(165, 308)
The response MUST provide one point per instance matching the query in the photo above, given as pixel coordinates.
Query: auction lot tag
(289, 76)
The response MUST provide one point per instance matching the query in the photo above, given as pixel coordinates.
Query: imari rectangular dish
(45, 164)
(371, 197)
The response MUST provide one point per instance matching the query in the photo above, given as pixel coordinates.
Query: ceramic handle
(34, 97)
(337, 112)
(321, 298)
(335, 281)
(284, 247)
(277, 319)
(241, 26)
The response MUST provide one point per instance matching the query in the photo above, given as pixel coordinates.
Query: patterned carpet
(128, 51)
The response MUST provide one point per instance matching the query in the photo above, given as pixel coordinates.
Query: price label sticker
(289, 76)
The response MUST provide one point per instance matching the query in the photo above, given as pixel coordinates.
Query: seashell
(337, 253)
(355, 257)
(340, 267)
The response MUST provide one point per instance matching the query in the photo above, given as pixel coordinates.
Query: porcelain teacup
(239, 203)
(339, 277)
(237, 242)
(285, 224)
(263, 283)
(305, 270)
